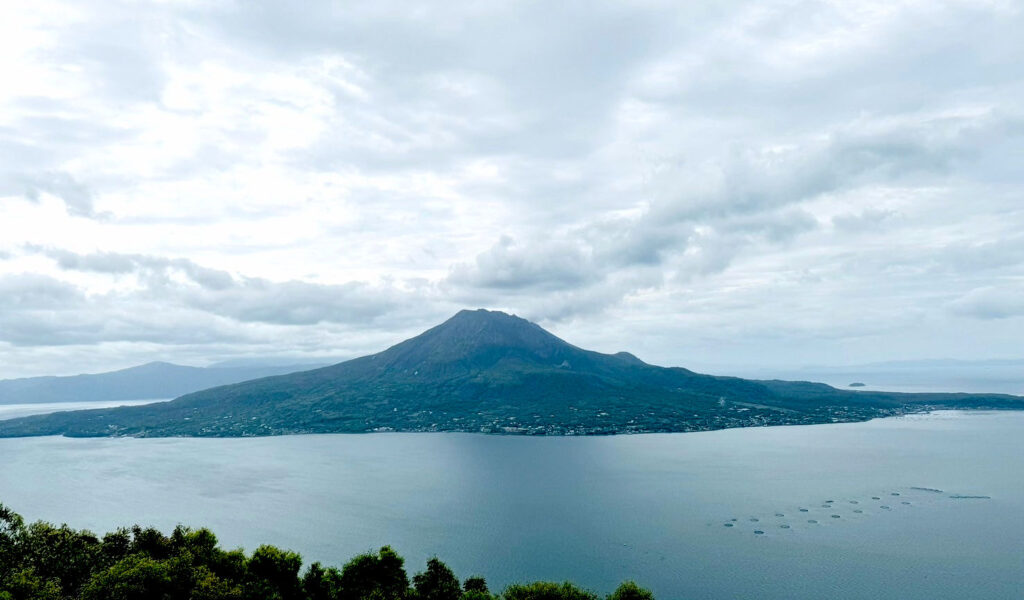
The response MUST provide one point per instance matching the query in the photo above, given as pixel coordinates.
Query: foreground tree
(475, 588)
(273, 574)
(437, 582)
(26, 585)
(629, 590)
(379, 576)
(321, 584)
(12, 530)
(545, 590)
(60, 553)
(45, 562)
(136, 577)
(475, 584)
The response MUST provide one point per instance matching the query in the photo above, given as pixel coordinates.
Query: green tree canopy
(46, 562)
(26, 585)
(475, 584)
(273, 574)
(437, 582)
(60, 553)
(12, 530)
(545, 590)
(137, 577)
(629, 590)
(321, 584)
(380, 576)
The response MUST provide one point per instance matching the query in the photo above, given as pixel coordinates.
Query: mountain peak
(484, 317)
(474, 338)
(492, 327)
(479, 313)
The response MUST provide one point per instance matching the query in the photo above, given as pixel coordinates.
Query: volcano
(487, 371)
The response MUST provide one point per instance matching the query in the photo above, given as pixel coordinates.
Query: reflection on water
(926, 505)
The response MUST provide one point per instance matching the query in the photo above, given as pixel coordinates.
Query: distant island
(857, 384)
(490, 372)
(42, 561)
(155, 380)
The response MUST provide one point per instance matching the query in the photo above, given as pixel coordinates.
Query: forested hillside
(487, 371)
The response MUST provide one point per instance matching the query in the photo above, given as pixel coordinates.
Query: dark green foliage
(273, 574)
(12, 529)
(475, 584)
(207, 586)
(115, 546)
(200, 544)
(629, 590)
(545, 590)
(230, 565)
(61, 554)
(136, 577)
(437, 582)
(150, 542)
(321, 584)
(27, 585)
(44, 562)
(199, 569)
(379, 576)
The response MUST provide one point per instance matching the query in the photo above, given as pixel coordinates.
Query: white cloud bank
(719, 184)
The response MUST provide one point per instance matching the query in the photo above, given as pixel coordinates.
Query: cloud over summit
(706, 183)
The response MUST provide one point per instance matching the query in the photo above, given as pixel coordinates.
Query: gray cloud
(976, 256)
(541, 266)
(103, 262)
(36, 292)
(39, 310)
(517, 78)
(76, 196)
(247, 299)
(296, 302)
(865, 220)
(695, 172)
(1000, 302)
(155, 269)
(852, 155)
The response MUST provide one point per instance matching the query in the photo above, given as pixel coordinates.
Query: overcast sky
(714, 185)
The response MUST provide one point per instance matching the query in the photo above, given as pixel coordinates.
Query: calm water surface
(11, 411)
(677, 512)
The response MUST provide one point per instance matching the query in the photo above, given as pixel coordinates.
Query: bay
(676, 512)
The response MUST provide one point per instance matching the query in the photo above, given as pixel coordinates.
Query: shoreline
(506, 434)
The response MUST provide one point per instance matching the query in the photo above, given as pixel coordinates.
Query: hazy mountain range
(156, 380)
(491, 372)
(980, 376)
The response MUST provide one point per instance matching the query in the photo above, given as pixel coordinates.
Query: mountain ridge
(152, 380)
(488, 371)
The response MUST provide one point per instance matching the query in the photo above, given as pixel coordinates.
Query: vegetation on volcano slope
(41, 561)
(484, 371)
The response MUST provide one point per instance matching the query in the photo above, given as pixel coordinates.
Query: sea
(925, 506)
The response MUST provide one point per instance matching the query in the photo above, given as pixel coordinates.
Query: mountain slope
(489, 371)
(152, 380)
